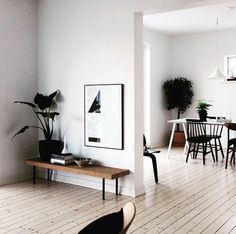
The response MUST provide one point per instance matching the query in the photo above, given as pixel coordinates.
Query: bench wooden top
(93, 170)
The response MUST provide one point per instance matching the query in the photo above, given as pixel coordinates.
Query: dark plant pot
(46, 148)
(179, 139)
(202, 115)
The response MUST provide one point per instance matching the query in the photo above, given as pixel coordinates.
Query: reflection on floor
(190, 198)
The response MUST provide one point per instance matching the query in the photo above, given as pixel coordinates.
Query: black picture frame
(94, 106)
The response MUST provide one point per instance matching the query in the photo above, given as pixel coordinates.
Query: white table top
(183, 120)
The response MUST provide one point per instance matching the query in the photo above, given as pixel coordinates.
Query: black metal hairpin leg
(103, 188)
(50, 171)
(34, 174)
(117, 186)
(48, 175)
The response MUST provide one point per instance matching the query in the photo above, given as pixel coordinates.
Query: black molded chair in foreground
(150, 153)
(231, 146)
(114, 223)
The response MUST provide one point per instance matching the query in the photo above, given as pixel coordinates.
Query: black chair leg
(213, 153)
(154, 165)
(227, 158)
(232, 160)
(216, 150)
(204, 152)
(189, 150)
(221, 148)
(196, 151)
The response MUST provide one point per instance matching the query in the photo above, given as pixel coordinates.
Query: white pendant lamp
(217, 74)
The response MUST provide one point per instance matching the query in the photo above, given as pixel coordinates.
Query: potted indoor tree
(178, 94)
(42, 109)
(202, 108)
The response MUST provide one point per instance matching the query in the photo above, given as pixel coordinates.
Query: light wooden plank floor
(190, 198)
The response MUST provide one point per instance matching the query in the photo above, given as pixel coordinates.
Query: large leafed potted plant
(178, 94)
(42, 109)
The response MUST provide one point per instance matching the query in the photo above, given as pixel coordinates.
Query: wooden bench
(93, 170)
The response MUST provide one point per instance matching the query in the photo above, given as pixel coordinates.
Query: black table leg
(34, 174)
(116, 186)
(103, 188)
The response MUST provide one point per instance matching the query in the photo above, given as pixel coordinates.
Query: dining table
(183, 122)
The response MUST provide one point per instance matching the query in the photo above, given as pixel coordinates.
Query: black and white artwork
(103, 112)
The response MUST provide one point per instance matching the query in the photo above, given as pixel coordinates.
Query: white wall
(82, 42)
(160, 70)
(194, 56)
(18, 82)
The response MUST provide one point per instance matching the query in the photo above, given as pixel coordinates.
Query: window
(231, 66)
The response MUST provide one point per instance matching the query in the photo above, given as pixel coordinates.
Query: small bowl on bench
(83, 162)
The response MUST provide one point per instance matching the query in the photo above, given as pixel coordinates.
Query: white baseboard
(92, 182)
(15, 179)
(139, 191)
(158, 146)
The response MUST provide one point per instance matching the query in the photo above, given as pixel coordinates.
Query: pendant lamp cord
(217, 41)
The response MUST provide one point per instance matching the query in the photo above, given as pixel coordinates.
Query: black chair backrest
(230, 127)
(214, 130)
(144, 143)
(195, 128)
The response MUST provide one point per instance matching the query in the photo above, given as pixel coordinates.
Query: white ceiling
(195, 20)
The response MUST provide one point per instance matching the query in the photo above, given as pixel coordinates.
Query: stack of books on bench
(62, 159)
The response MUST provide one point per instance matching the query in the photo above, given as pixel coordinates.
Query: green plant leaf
(22, 130)
(50, 115)
(26, 103)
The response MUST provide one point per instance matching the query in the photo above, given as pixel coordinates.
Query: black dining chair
(198, 138)
(150, 153)
(231, 143)
(216, 133)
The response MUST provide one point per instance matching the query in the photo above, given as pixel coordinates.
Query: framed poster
(103, 116)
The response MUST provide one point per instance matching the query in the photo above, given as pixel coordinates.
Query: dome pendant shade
(217, 74)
